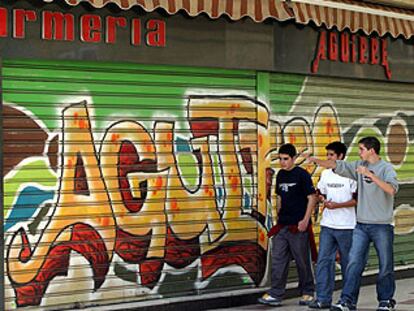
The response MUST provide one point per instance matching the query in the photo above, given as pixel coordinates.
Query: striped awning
(258, 10)
(342, 14)
(355, 15)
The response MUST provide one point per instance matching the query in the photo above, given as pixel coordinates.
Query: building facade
(140, 137)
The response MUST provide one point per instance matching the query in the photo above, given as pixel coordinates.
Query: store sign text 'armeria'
(351, 48)
(58, 26)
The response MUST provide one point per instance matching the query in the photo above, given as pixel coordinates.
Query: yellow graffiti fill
(228, 112)
(93, 209)
(188, 212)
(151, 216)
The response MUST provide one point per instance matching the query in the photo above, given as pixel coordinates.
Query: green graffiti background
(149, 93)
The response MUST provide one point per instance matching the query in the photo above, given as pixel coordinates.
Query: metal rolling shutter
(90, 215)
(314, 111)
(77, 115)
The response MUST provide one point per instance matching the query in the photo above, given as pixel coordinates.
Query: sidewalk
(367, 300)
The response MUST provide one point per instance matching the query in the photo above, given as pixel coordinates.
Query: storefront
(139, 137)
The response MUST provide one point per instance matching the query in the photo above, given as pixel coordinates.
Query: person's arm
(323, 163)
(321, 197)
(333, 205)
(278, 203)
(303, 224)
(385, 186)
(340, 167)
(321, 188)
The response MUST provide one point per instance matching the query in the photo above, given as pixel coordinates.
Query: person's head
(287, 154)
(336, 151)
(368, 146)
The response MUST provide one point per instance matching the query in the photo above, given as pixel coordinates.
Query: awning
(355, 15)
(258, 10)
(342, 14)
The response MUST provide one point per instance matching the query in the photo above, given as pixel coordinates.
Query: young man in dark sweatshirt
(295, 202)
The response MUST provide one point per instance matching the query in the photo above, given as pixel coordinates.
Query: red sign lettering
(333, 46)
(363, 48)
(136, 32)
(64, 26)
(91, 28)
(111, 24)
(384, 58)
(344, 47)
(354, 45)
(3, 23)
(20, 18)
(375, 58)
(156, 37)
(58, 26)
(359, 49)
(321, 52)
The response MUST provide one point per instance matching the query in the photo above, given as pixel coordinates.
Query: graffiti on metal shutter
(111, 205)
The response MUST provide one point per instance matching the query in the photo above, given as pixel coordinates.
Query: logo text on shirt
(335, 185)
(285, 186)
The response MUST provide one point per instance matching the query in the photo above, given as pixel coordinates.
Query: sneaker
(316, 304)
(342, 306)
(387, 305)
(266, 299)
(305, 300)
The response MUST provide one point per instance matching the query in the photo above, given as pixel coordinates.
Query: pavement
(367, 300)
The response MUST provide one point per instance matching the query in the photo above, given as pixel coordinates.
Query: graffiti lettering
(128, 199)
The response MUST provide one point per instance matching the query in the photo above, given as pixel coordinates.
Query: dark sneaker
(342, 306)
(316, 304)
(387, 305)
(266, 299)
(305, 300)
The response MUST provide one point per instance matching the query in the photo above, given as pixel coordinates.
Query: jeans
(286, 245)
(331, 240)
(383, 237)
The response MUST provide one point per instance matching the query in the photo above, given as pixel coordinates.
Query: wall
(125, 182)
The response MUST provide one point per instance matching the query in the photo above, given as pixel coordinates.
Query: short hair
(337, 147)
(371, 142)
(288, 149)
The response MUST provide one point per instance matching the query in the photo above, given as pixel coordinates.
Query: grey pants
(286, 245)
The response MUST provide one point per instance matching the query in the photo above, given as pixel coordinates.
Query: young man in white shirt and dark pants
(338, 221)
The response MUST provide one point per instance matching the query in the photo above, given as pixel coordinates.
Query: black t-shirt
(293, 187)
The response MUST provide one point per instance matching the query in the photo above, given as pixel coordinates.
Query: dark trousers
(286, 245)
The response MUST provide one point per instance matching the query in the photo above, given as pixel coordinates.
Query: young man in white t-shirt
(337, 224)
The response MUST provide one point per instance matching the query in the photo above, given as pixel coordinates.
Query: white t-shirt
(337, 189)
